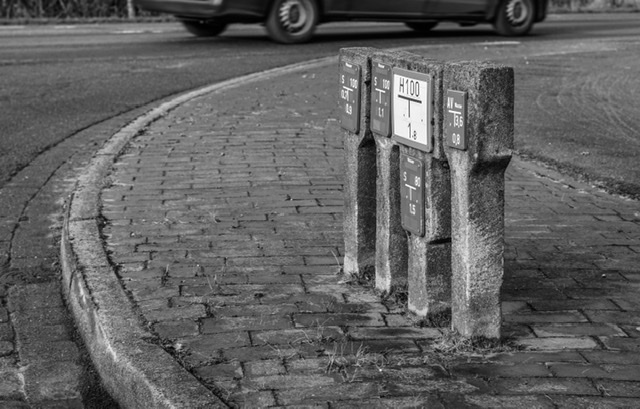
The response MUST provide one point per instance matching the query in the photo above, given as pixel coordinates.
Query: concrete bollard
(478, 151)
(429, 261)
(360, 162)
(391, 239)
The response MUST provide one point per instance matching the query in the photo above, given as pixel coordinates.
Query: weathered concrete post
(360, 162)
(391, 239)
(479, 101)
(417, 91)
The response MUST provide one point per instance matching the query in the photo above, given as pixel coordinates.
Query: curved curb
(137, 372)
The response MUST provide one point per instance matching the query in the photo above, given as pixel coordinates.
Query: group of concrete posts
(426, 147)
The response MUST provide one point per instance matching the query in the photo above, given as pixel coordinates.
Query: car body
(294, 21)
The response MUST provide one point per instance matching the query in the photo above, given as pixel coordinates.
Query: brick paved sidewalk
(224, 219)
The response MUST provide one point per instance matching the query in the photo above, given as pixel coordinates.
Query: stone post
(429, 267)
(360, 163)
(391, 239)
(478, 152)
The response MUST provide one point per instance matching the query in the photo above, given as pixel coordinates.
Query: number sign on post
(381, 99)
(350, 96)
(455, 124)
(412, 109)
(412, 194)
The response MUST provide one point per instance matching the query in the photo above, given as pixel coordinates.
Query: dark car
(294, 21)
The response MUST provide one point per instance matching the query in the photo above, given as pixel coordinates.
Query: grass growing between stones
(452, 343)
(344, 361)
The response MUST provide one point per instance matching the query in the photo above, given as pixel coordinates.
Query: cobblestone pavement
(223, 222)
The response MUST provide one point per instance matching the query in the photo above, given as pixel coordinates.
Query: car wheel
(421, 27)
(203, 28)
(292, 21)
(515, 17)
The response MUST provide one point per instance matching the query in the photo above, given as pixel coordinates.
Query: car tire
(204, 28)
(292, 21)
(514, 17)
(421, 27)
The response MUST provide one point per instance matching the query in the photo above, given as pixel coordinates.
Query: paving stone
(218, 372)
(36, 317)
(287, 382)
(357, 391)
(621, 344)
(501, 370)
(419, 401)
(364, 333)
(170, 314)
(15, 405)
(256, 310)
(6, 348)
(614, 317)
(580, 402)
(176, 329)
(255, 353)
(207, 348)
(257, 323)
(547, 317)
(540, 357)
(262, 399)
(265, 368)
(506, 402)
(58, 351)
(546, 385)
(568, 330)
(35, 296)
(53, 381)
(555, 343)
(4, 315)
(297, 336)
(612, 357)
(627, 304)
(365, 320)
(43, 334)
(563, 305)
(12, 384)
(618, 389)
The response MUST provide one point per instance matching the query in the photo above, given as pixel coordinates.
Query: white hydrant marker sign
(412, 109)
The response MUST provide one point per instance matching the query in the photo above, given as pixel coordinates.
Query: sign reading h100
(412, 109)
(350, 96)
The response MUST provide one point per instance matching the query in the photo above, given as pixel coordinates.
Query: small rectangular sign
(412, 108)
(412, 194)
(381, 99)
(455, 123)
(350, 96)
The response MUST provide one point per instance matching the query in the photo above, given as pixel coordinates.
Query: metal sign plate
(412, 109)
(455, 123)
(350, 96)
(381, 99)
(412, 194)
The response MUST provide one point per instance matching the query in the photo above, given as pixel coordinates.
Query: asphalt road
(57, 80)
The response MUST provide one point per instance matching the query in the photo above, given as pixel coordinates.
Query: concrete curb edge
(134, 369)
